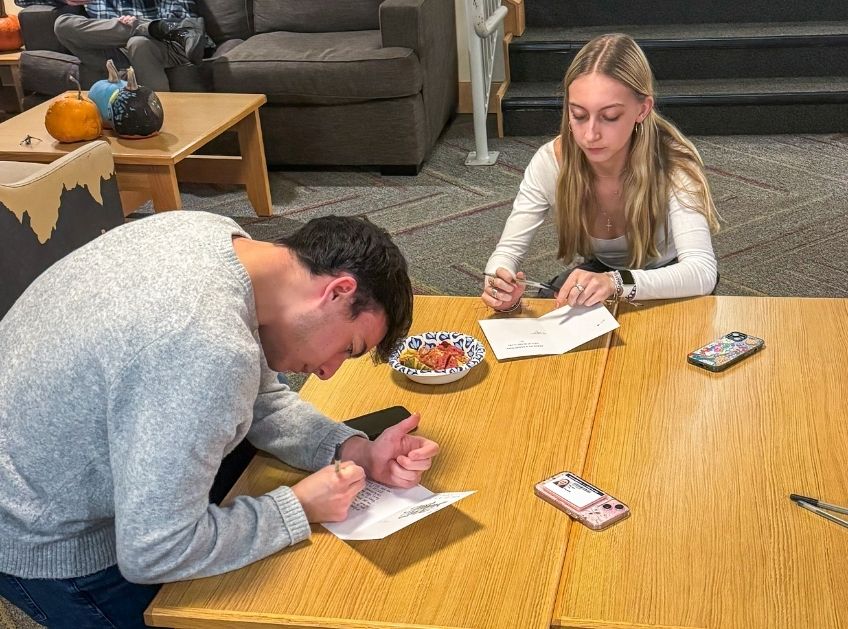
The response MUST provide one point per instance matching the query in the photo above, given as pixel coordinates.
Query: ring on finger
(492, 282)
(579, 288)
(495, 292)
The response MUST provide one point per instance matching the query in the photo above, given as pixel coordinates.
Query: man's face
(318, 340)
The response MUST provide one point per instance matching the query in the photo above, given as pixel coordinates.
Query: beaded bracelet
(619, 284)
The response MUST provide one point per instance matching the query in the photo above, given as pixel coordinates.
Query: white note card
(378, 511)
(554, 333)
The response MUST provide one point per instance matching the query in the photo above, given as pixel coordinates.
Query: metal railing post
(484, 19)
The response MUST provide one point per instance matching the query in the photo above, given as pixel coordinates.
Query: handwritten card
(378, 511)
(554, 333)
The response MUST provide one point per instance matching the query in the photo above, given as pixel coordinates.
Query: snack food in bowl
(437, 357)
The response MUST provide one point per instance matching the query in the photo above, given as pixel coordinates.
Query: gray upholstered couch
(349, 82)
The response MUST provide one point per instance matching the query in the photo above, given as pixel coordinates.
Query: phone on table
(373, 424)
(583, 501)
(721, 353)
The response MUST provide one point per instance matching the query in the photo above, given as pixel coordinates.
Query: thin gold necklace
(617, 192)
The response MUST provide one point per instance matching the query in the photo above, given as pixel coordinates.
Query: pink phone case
(582, 501)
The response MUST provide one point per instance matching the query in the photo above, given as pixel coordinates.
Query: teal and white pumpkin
(136, 110)
(102, 91)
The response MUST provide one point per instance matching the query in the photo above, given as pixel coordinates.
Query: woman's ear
(645, 108)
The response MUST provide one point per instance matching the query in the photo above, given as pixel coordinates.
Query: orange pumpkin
(73, 118)
(10, 30)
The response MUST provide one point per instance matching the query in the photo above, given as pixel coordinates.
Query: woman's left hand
(584, 288)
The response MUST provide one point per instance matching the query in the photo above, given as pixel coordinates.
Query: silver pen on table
(820, 508)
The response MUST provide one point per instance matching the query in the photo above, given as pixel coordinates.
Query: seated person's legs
(93, 42)
(149, 58)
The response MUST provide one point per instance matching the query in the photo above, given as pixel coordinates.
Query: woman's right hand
(501, 291)
(326, 495)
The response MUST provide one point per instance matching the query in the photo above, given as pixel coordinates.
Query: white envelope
(554, 333)
(378, 511)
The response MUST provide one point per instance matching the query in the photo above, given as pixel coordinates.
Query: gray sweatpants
(94, 41)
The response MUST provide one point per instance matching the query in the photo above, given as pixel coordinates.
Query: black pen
(337, 456)
(818, 507)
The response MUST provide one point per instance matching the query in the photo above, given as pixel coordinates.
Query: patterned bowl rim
(472, 362)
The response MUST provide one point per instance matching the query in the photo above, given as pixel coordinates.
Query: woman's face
(602, 113)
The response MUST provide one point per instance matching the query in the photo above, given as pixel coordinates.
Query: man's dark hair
(337, 245)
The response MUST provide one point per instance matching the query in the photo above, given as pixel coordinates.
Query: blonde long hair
(660, 160)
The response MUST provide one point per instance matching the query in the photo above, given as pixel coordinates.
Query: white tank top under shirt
(688, 233)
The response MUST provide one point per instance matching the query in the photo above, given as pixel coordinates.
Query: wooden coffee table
(10, 74)
(152, 167)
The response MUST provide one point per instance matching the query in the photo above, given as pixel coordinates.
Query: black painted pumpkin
(136, 110)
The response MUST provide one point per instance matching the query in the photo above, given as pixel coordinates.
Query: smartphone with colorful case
(582, 501)
(720, 354)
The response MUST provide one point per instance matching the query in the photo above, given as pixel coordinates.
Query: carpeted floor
(784, 201)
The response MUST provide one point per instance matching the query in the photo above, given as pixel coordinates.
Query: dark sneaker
(188, 42)
(186, 37)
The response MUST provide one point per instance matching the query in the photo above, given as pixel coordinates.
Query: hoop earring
(637, 129)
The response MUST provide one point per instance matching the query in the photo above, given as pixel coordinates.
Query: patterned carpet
(784, 201)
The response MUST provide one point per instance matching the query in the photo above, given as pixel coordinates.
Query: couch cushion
(226, 19)
(316, 16)
(318, 68)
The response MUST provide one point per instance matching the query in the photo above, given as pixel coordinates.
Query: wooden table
(10, 74)
(493, 560)
(152, 167)
(707, 462)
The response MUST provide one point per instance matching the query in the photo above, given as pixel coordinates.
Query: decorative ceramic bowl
(473, 349)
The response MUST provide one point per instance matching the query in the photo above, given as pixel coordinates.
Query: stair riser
(689, 63)
(547, 13)
(708, 119)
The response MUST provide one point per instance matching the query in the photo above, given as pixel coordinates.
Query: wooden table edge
(196, 618)
(585, 623)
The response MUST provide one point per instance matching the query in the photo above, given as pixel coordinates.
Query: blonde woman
(627, 188)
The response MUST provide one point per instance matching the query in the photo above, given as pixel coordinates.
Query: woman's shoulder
(548, 157)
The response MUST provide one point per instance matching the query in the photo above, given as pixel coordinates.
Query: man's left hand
(396, 458)
(129, 20)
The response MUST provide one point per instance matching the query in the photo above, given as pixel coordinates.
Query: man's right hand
(129, 20)
(326, 495)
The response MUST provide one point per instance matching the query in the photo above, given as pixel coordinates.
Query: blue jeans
(102, 599)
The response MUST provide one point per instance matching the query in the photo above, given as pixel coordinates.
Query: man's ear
(340, 288)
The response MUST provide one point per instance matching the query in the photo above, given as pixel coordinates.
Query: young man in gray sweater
(131, 367)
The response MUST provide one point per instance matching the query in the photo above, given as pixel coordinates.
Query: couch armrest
(37, 26)
(429, 28)
(415, 24)
(46, 72)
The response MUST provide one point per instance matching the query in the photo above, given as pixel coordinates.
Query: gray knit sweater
(127, 371)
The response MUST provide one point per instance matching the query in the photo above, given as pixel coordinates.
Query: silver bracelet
(512, 308)
(619, 284)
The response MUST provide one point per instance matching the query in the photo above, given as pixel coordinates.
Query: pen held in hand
(537, 285)
(337, 456)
